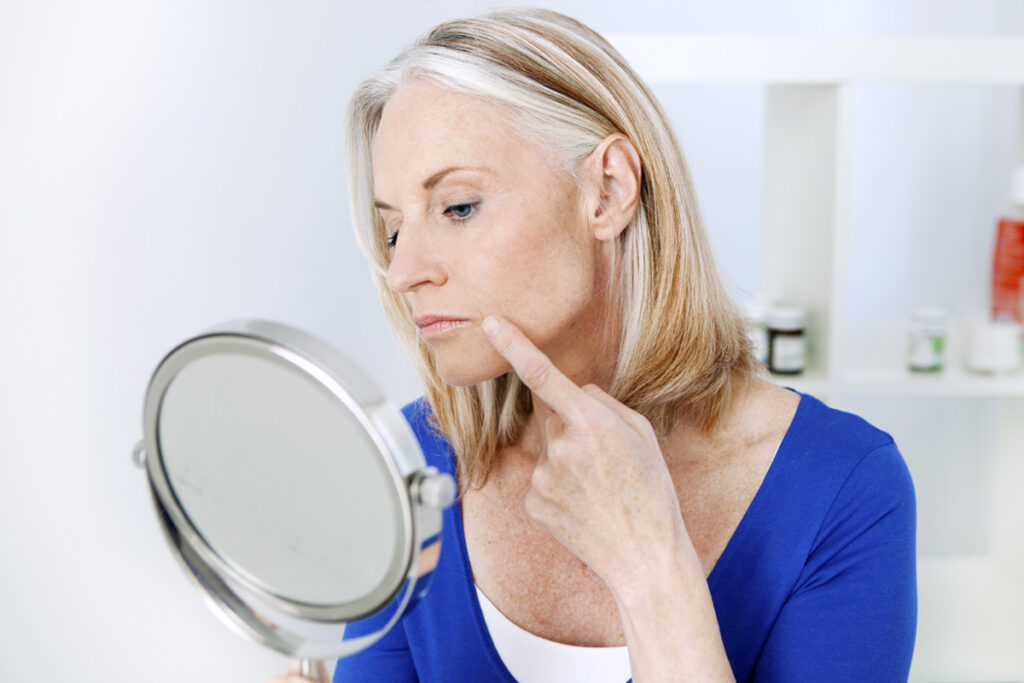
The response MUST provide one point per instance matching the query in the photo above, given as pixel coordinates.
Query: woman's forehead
(423, 113)
(425, 127)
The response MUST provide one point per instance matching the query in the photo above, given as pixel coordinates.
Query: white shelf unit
(971, 613)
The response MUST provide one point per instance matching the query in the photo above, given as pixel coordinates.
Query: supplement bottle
(1008, 257)
(787, 346)
(926, 350)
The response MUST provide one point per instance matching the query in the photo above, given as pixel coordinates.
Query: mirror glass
(239, 436)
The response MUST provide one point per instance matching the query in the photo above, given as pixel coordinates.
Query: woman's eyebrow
(434, 179)
(439, 176)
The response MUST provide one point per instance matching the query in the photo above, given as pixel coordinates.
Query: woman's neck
(688, 441)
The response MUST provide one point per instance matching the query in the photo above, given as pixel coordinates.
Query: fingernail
(491, 326)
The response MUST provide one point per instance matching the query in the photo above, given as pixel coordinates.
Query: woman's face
(483, 223)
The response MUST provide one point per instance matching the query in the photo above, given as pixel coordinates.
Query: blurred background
(166, 166)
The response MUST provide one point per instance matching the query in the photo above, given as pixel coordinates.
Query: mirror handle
(309, 668)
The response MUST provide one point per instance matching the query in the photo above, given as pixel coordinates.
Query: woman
(635, 500)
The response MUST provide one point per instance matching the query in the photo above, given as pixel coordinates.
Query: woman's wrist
(675, 570)
(669, 620)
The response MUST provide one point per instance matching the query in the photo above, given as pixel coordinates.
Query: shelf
(874, 365)
(780, 59)
(949, 383)
(970, 619)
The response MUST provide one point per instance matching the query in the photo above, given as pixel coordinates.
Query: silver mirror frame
(293, 628)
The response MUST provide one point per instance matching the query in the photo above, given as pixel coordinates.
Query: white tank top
(532, 659)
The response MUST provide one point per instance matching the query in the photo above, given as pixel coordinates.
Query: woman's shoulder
(840, 452)
(818, 424)
(819, 438)
(834, 477)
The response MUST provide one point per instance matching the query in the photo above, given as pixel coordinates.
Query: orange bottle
(1008, 257)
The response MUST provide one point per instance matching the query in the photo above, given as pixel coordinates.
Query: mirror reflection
(267, 464)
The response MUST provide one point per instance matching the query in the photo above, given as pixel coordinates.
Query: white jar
(993, 348)
(926, 340)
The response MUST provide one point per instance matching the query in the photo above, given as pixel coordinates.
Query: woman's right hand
(294, 675)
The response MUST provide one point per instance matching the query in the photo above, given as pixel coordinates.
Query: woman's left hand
(601, 485)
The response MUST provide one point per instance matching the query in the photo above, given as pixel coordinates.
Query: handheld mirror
(290, 490)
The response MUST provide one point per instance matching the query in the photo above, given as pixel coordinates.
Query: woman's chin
(468, 371)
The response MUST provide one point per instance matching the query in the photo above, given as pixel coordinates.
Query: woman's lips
(437, 326)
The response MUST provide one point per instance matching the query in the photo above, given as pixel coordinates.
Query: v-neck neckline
(760, 496)
(731, 548)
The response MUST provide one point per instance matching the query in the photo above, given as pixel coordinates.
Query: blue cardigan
(817, 583)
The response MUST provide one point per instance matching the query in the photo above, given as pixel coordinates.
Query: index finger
(535, 369)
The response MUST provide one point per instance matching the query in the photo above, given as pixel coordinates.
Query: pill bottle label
(788, 353)
(926, 351)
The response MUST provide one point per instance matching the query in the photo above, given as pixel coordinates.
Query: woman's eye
(461, 212)
(392, 240)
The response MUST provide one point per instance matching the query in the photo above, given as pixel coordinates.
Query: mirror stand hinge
(139, 454)
(433, 489)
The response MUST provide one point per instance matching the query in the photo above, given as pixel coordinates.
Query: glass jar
(787, 344)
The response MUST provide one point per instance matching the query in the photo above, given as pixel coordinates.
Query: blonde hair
(682, 340)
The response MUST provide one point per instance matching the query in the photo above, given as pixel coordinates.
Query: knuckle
(644, 427)
(558, 451)
(553, 423)
(538, 480)
(593, 423)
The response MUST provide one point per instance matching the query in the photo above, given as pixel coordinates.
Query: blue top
(817, 583)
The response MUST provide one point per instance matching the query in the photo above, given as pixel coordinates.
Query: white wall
(165, 166)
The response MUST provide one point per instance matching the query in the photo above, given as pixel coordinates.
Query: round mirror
(290, 490)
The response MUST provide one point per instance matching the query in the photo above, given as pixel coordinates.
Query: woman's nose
(414, 262)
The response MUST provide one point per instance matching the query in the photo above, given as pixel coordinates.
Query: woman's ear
(612, 186)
